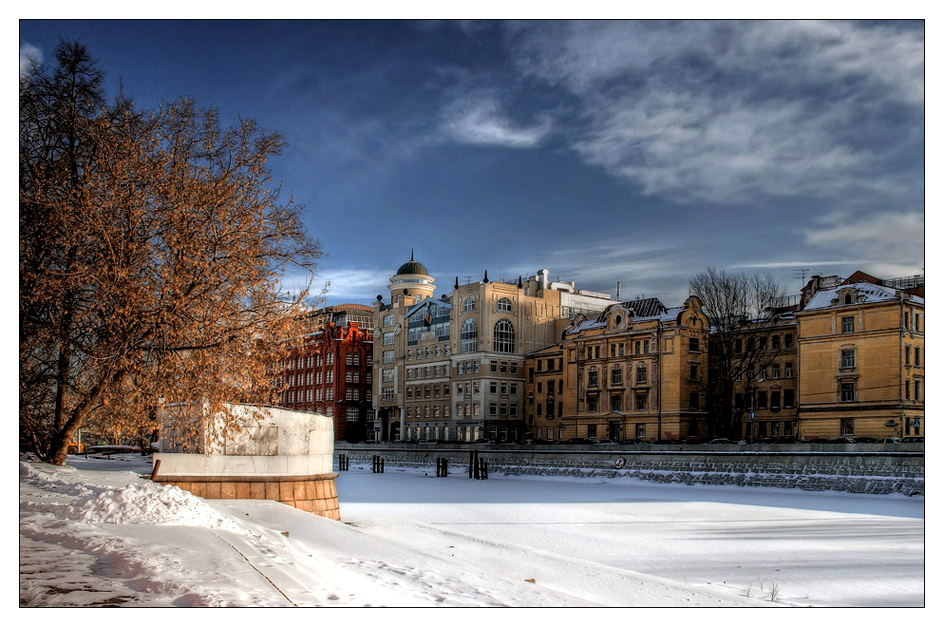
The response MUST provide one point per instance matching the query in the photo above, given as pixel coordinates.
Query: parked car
(889, 441)
(818, 441)
(865, 440)
(631, 441)
(912, 439)
(842, 441)
(720, 441)
(580, 441)
(485, 441)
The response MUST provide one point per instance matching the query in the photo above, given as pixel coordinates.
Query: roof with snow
(644, 307)
(655, 311)
(864, 293)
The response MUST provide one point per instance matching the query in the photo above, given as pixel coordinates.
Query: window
(847, 426)
(388, 339)
(762, 400)
(504, 304)
(388, 357)
(469, 336)
(388, 320)
(504, 337)
(640, 401)
(616, 376)
(642, 375)
(737, 345)
(591, 431)
(593, 379)
(640, 430)
(593, 403)
(693, 345)
(917, 355)
(788, 398)
(847, 391)
(693, 400)
(693, 372)
(775, 370)
(775, 399)
(848, 358)
(550, 409)
(775, 342)
(907, 355)
(468, 304)
(917, 390)
(351, 414)
(848, 324)
(788, 369)
(616, 402)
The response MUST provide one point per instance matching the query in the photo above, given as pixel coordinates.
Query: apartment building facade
(861, 362)
(329, 369)
(636, 371)
(452, 368)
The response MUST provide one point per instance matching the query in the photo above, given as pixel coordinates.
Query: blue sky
(630, 151)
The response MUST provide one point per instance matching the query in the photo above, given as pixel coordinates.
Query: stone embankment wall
(315, 494)
(867, 472)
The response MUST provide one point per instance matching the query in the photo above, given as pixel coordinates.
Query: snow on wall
(254, 441)
(868, 473)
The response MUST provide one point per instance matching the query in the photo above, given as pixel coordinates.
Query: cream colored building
(452, 368)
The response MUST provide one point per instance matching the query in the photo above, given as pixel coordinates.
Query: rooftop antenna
(800, 273)
(618, 285)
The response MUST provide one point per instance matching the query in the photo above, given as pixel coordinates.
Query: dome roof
(413, 267)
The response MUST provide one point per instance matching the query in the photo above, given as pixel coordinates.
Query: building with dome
(451, 368)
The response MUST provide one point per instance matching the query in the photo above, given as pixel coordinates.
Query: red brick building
(329, 370)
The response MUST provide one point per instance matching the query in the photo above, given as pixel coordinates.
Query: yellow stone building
(861, 363)
(636, 371)
(766, 397)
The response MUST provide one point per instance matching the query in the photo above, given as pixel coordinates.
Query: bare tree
(152, 245)
(742, 310)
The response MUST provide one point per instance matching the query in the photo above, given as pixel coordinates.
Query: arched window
(504, 336)
(469, 336)
(468, 304)
(504, 304)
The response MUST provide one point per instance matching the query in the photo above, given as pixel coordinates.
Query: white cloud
(30, 58)
(479, 120)
(892, 238)
(730, 112)
(355, 284)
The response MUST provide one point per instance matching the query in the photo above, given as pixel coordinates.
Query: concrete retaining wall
(868, 472)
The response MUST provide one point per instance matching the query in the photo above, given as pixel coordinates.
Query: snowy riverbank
(95, 533)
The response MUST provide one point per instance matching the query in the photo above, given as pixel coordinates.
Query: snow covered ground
(95, 534)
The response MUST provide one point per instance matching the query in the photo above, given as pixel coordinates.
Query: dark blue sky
(638, 152)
